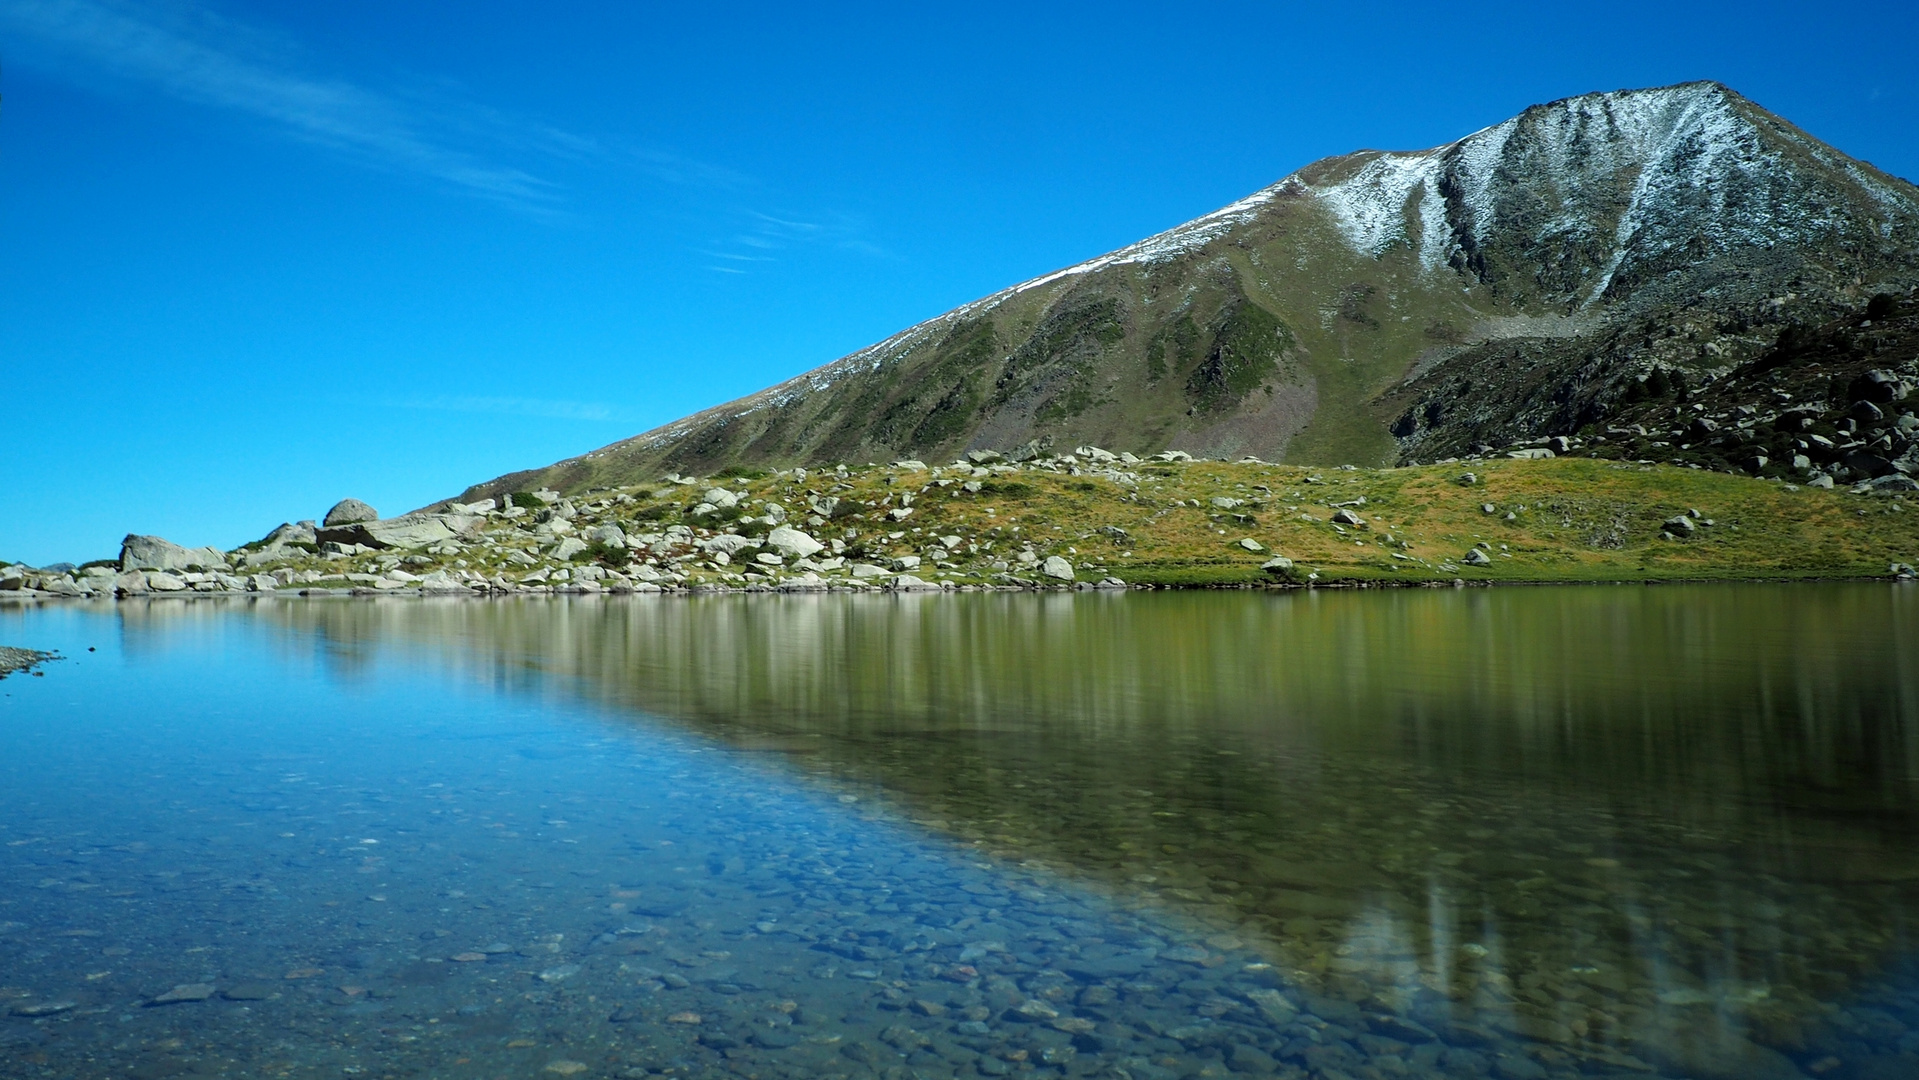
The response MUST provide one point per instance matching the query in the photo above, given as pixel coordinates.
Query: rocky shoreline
(1030, 521)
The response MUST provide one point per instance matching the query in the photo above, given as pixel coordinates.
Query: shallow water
(1517, 833)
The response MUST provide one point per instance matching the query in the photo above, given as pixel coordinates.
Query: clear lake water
(1514, 833)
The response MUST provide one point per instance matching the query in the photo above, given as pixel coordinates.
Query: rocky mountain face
(1826, 404)
(1369, 309)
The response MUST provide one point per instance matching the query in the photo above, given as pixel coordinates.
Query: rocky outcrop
(288, 538)
(1827, 402)
(157, 553)
(407, 531)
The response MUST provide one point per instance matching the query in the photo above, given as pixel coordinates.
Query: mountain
(1373, 308)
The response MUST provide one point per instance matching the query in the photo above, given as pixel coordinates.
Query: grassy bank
(1552, 520)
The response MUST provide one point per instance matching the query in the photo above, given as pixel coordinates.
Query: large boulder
(1056, 567)
(157, 553)
(793, 543)
(348, 512)
(407, 531)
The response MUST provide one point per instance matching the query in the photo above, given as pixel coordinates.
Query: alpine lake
(1515, 833)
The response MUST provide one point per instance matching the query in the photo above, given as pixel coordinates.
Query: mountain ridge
(1295, 323)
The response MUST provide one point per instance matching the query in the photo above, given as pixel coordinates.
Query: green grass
(1573, 520)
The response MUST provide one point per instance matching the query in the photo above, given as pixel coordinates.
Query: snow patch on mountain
(1698, 174)
(1370, 207)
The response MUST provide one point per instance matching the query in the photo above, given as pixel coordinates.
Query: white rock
(1251, 544)
(161, 581)
(568, 548)
(793, 543)
(1056, 567)
(868, 570)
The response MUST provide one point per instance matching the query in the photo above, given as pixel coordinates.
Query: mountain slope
(1367, 308)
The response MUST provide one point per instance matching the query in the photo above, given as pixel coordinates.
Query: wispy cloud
(766, 238)
(197, 56)
(511, 406)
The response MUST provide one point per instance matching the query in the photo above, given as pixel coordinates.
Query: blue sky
(258, 257)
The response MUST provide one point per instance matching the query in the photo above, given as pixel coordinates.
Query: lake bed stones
(185, 992)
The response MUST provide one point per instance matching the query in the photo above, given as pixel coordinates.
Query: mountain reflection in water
(1662, 818)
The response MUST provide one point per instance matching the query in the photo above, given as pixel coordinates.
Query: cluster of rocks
(541, 541)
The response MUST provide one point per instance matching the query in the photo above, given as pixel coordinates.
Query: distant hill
(1375, 308)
